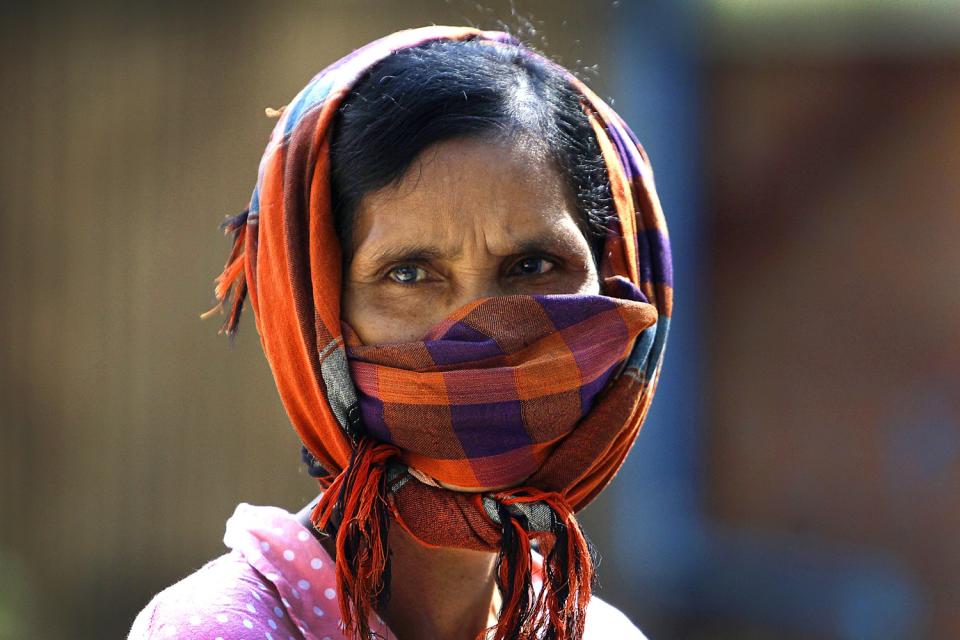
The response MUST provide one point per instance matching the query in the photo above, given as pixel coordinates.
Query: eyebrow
(414, 252)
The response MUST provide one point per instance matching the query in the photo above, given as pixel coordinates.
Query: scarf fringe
(232, 282)
(514, 573)
(355, 508)
(559, 613)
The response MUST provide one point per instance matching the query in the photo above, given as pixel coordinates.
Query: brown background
(835, 394)
(831, 165)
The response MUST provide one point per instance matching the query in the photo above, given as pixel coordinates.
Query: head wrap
(542, 394)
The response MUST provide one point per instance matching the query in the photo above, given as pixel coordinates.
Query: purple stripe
(489, 429)
(462, 343)
(372, 411)
(567, 310)
(616, 134)
(594, 346)
(620, 287)
(589, 391)
(655, 258)
(656, 264)
(633, 156)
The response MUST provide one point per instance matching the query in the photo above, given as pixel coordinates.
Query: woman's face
(470, 219)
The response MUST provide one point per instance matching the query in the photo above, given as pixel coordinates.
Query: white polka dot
(277, 611)
(317, 611)
(250, 608)
(272, 577)
(194, 620)
(256, 595)
(303, 584)
(273, 625)
(288, 555)
(268, 635)
(277, 531)
(303, 536)
(327, 638)
(329, 593)
(221, 617)
(218, 638)
(316, 563)
(265, 545)
(247, 624)
(296, 594)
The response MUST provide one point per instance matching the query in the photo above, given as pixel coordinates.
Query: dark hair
(443, 90)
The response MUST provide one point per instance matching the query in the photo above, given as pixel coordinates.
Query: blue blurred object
(682, 563)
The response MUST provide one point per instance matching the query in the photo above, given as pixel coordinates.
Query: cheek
(591, 281)
(379, 320)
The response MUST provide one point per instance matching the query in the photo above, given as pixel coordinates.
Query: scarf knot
(569, 559)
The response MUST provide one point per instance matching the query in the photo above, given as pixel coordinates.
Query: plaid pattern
(485, 397)
(572, 436)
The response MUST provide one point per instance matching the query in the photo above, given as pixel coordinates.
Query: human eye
(532, 266)
(407, 274)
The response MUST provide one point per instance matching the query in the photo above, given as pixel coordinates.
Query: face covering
(529, 404)
(485, 397)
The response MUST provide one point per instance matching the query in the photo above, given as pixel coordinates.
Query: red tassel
(569, 571)
(514, 578)
(232, 282)
(356, 506)
(559, 612)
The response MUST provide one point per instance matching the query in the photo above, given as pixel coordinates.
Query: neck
(435, 593)
(438, 593)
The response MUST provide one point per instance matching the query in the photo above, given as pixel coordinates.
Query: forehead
(468, 189)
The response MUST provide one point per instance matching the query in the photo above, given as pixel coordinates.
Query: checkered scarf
(544, 395)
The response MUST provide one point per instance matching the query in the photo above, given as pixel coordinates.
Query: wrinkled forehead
(469, 191)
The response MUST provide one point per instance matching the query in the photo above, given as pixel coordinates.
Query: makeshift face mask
(530, 402)
(485, 396)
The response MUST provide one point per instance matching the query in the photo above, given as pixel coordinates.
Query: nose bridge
(476, 289)
(475, 272)
(475, 283)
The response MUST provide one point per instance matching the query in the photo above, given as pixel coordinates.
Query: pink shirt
(277, 583)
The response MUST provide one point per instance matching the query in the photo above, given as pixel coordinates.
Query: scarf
(543, 395)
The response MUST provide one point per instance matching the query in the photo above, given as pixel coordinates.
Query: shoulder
(225, 598)
(606, 621)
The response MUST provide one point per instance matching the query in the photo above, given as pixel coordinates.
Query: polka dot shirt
(277, 583)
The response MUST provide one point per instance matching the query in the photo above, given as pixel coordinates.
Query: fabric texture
(569, 439)
(278, 583)
(487, 394)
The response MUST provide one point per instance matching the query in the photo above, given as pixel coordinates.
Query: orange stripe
(547, 368)
(455, 472)
(325, 260)
(280, 332)
(510, 468)
(396, 385)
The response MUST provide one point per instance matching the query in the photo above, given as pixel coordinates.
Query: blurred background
(798, 476)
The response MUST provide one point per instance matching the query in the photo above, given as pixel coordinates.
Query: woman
(460, 276)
